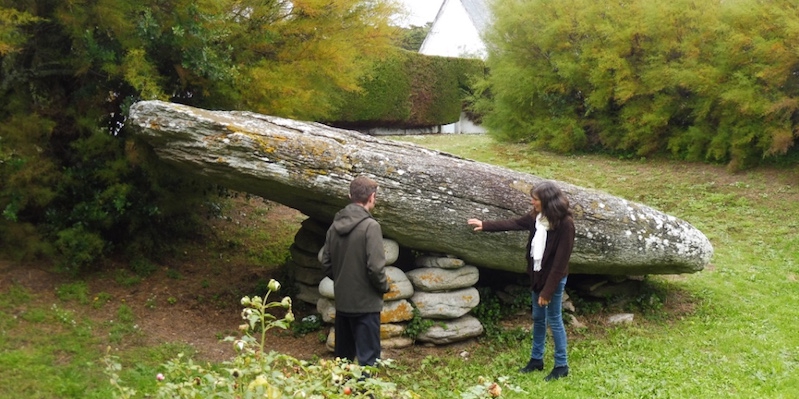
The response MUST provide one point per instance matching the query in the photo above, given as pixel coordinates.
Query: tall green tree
(71, 180)
(702, 80)
(413, 37)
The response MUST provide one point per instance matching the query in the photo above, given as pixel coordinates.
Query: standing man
(354, 257)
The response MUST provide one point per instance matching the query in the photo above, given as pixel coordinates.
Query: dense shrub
(700, 80)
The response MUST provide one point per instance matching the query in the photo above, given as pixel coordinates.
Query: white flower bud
(273, 285)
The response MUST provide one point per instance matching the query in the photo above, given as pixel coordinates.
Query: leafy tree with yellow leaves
(71, 180)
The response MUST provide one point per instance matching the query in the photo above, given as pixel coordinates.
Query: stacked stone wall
(440, 287)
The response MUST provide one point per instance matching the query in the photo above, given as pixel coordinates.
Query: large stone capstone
(425, 196)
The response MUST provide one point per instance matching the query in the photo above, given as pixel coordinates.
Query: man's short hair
(361, 188)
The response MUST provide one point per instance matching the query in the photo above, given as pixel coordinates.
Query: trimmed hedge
(409, 90)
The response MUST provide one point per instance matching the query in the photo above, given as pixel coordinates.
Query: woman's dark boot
(557, 372)
(533, 365)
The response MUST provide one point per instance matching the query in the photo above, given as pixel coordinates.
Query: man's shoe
(533, 365)
(557, 372)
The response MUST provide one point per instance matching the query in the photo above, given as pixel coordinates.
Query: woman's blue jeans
(551, 315)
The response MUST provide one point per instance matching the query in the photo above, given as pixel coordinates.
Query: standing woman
(549, 248)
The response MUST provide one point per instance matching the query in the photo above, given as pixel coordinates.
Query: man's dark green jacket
(354, 257)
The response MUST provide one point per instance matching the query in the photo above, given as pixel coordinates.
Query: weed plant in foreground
(254, 373)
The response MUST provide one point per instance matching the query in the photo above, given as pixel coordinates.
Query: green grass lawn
(734, 336)
(739, 340)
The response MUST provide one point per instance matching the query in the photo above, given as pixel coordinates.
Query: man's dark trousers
(358, 336)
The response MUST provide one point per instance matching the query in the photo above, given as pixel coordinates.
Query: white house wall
(456, 33)
(463, 126)
(453, 34)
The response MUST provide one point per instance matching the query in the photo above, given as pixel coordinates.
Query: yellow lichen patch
(391, 330)
(430, 277)
(263, 142)
(215, 138)
(313, 148)
(402, 312)
(234, 128)
(310, 173)
(393, 292)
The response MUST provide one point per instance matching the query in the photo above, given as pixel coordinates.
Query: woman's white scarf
(539, 242)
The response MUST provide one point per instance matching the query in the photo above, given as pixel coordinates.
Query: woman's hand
(477, 223)
(542, 302)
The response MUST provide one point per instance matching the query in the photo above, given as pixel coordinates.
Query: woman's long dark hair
(554, 204)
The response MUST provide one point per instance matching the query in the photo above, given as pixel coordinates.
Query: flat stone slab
(425, 197)
(304, 258)
(400, 286)
(447, 332)
(307, 275)
(393, 311)
(431, 279)
(397, 342)
(391, 330)
(308, 293)
(443, 262)
(390, 247)
(446, 305)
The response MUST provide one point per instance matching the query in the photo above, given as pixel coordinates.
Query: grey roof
(479, 13)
